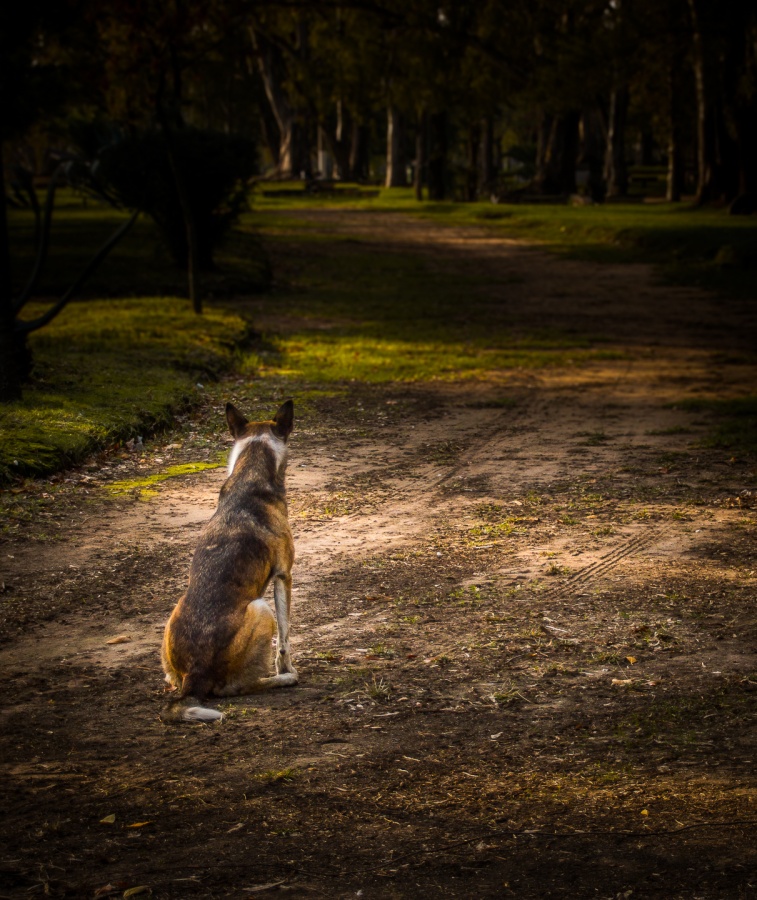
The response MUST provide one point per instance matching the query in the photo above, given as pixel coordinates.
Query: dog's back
(246, 543)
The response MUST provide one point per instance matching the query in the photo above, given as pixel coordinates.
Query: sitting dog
(218, 639)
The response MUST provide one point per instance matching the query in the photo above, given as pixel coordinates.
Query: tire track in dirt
(606, 563)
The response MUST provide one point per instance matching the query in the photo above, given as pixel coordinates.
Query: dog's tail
(195, 686)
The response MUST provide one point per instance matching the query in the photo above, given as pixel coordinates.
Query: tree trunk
(359, 152)
(593, 145)
(340, 145)
(324, 164)
(569, 155)
(705, 138)
(645, 148)
(269, 128)
(542, 176)
(745, 202)
(437, 156)
(11, 354)
(190, 229)
(293, 157)
(740, 73)
(674, 187)
(340, 151)
(557, 154)
(474, 149)
(486, 158)
(616, 171)
(419, 171)
(395, 157)
(294, 152)
(718, 155)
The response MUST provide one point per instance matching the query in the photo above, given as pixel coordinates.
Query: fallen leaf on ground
(108, 820)
(138, 824)
(121, 639)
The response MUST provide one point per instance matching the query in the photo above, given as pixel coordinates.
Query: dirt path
(524, 625)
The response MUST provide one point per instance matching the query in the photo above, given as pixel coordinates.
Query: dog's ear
(284, 420)
(235, 419)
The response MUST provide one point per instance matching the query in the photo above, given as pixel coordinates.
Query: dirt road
(524, 624)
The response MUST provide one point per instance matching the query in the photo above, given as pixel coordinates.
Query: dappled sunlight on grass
(332, 357)
(347, 310)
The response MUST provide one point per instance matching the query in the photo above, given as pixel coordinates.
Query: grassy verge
(107, 370)
(704, 247)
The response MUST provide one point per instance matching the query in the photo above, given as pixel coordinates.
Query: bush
(213, 167)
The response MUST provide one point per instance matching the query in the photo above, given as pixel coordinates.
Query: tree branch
(35, 324)
(44, 243)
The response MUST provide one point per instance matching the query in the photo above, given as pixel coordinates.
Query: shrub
(213, 167)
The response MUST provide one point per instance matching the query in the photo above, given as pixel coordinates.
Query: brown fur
(218, 639)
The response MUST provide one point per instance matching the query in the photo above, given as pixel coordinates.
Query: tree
(291, 150)
(16, 329)
(134, 171)
(724, 61)
(29, 88)
(152, 52)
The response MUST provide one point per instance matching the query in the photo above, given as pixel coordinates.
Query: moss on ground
(143, 487)
(107, 370)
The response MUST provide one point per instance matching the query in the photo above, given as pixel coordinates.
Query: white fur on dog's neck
(276, 444)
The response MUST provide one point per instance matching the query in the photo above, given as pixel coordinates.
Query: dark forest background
(174, 108)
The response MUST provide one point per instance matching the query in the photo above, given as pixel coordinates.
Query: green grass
(107, 370)
(370, 358)
(735, 426)
(705, 247)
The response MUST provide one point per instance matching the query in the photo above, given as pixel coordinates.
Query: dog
(217, 642)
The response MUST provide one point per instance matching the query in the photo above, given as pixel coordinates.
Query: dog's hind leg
(251, 654)
(282, 598)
